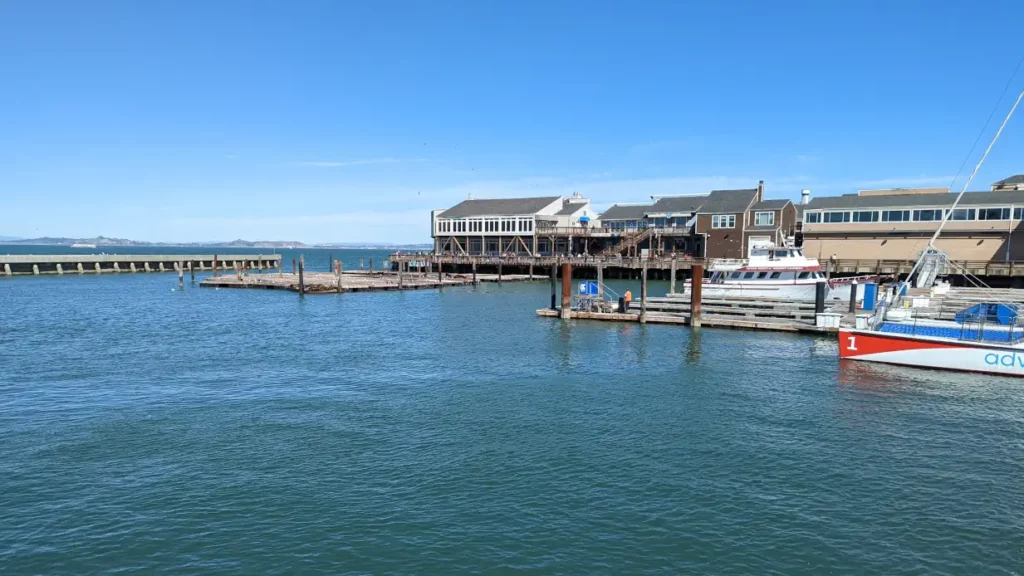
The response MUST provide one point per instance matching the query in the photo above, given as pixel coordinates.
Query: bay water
(150, 430)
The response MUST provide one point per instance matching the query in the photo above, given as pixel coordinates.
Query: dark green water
(148, 430)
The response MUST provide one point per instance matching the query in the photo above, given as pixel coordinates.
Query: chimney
(805, 197)
(760, 190)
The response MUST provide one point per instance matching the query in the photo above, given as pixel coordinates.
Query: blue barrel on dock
(870, 295)
(901, 288)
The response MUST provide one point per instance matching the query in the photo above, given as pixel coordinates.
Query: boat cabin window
(715, 277)
(775, 275)
(803, 275)
(748, 275)
(762, 275)
(780, 254)
(735, 275)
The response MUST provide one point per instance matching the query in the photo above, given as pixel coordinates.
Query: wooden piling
(696, 288)
(371, 264)
(554, 274)
(401, 271)
(214, 265)
(330, 262)
(295, 268)
(853, 296)
(600, 280)
(339, 271)
(181, 278)
(474, 273)
(440, 274)
(192, 272)
(531, 270)
(672, 277)
(643, 292)
(499, 272)
(360, 264)
(302, 266)
(566, 290)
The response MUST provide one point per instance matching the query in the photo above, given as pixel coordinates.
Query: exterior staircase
(628, 241)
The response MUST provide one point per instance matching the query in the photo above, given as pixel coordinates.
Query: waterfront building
(719, 224)
(511, 226)
(896, 224)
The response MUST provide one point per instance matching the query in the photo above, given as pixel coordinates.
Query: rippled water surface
(149, 430)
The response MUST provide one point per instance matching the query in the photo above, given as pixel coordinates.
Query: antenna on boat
(949, 213)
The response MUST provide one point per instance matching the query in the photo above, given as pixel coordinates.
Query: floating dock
(352, 281)
(39, 264)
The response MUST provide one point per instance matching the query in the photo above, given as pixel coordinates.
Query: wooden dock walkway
(712, 320)
(353, 281)
(45, 264)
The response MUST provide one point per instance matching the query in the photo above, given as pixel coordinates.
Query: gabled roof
(853, 201)
(568, 209)
(725, 201)
(498, 207)
(777, 204)
(677, 204)
(626, 212)
(1012, 180)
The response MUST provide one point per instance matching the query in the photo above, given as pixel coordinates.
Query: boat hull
(777, 291)
(925, 352)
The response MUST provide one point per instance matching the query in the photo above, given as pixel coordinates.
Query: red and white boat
(984, 338)
(942, 352)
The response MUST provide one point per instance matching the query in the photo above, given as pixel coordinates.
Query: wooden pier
(40, 264)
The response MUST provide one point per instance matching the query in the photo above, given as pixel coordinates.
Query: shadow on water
(693, 345)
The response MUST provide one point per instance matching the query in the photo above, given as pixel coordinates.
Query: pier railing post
(566, 290)
(696, 289)
(302, 282)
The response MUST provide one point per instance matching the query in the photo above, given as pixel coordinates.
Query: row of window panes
(930, 215)
(623, 224)
(723, 221)
(764, 218)
(485, 226)
(774, 275)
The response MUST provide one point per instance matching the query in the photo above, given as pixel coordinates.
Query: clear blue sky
(348, 121)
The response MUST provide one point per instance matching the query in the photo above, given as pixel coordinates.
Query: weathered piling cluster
(41, 264)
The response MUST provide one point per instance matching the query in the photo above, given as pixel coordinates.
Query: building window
(764, 218)
(723, 221)
(962, 214)
(836, 217)
(865, 216)
(1018, 213)
(993, 214)
(812, 217)
(927, 215)
(895, 215)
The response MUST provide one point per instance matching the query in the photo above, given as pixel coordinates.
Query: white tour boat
(776, 272)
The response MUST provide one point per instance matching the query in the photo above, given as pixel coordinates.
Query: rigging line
(949, 213)
(987, 121)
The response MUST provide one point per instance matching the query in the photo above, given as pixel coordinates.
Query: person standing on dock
(628, 297)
